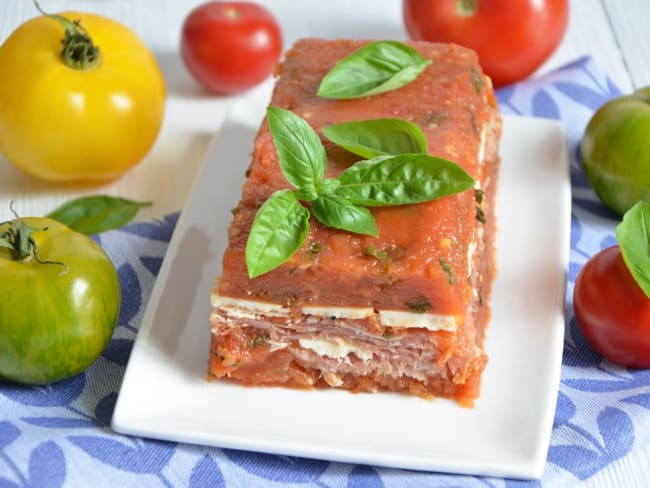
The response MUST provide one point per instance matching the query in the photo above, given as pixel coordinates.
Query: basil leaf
(302, 156)
(375, 68)
(306, 193)
(328, 186)
(403, 179)
(374, 137)
(337, 212)
(95, 214)
(633, 236)
(279, 229)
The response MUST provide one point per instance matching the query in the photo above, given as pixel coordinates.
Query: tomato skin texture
(511, 37)
(62, 124)
(615, 151)
(612, 311)
(230, 47)
(54, 322)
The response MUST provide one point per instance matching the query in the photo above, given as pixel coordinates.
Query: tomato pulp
(612, 310)
(512, 37)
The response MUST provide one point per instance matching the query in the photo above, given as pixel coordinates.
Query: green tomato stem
(78, 52)
(18, 239)
(466, 8)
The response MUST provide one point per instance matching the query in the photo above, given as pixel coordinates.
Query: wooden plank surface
(590, 34)
(630, 22)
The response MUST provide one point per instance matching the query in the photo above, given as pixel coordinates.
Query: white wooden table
(614, 32)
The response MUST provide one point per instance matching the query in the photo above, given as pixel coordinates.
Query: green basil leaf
(374, 137)
(306, 193)
(633, 236)
(403, 179)
(95, 214)
(301, 154)
(375, 68)
(337, 212)
(279, 229)
(328, 186)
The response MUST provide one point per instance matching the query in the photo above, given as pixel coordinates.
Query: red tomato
(512, 37)
(612, 310)
(230, 46)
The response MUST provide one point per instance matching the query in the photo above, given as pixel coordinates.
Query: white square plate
(165, 393)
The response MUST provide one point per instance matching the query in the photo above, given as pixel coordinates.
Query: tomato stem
(466, 8)
(233, 13)
(18, 239)
(78, 52)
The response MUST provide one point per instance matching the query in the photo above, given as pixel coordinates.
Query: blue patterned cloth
(60, 435)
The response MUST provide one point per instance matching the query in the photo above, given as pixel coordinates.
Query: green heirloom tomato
(615, 151)
(59, 301)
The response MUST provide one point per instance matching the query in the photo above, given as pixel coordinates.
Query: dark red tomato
(512, 37)
(230, 46)
(612, 310)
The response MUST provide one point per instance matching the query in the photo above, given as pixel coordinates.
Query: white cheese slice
(340, 312)
(239, 308)
(249, 309)
(409, 320)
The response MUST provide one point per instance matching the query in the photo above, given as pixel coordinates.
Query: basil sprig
(375, 68)
(402, 179)
(301, 155)
(279, 229)
(633, 236)
(377, 137)
(96, 213)
(282, 222)
(336, 211)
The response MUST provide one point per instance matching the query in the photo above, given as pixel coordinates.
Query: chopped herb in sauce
(380, 254)
(386, 334)
(445, 267)
(432, 119)
(477, 81)
(257, 341)
(472, 120)
(247, 173)
(480, 215)
(478, 195)
(315, 248)
(385, 256)
(421, 305)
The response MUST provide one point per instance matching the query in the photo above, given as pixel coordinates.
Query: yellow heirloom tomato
(80, 100)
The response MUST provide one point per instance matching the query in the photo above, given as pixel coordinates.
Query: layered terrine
(405, 311)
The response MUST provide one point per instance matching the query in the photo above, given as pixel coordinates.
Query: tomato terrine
(403, 312)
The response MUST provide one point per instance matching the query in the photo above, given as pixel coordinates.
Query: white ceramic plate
(165, 393)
